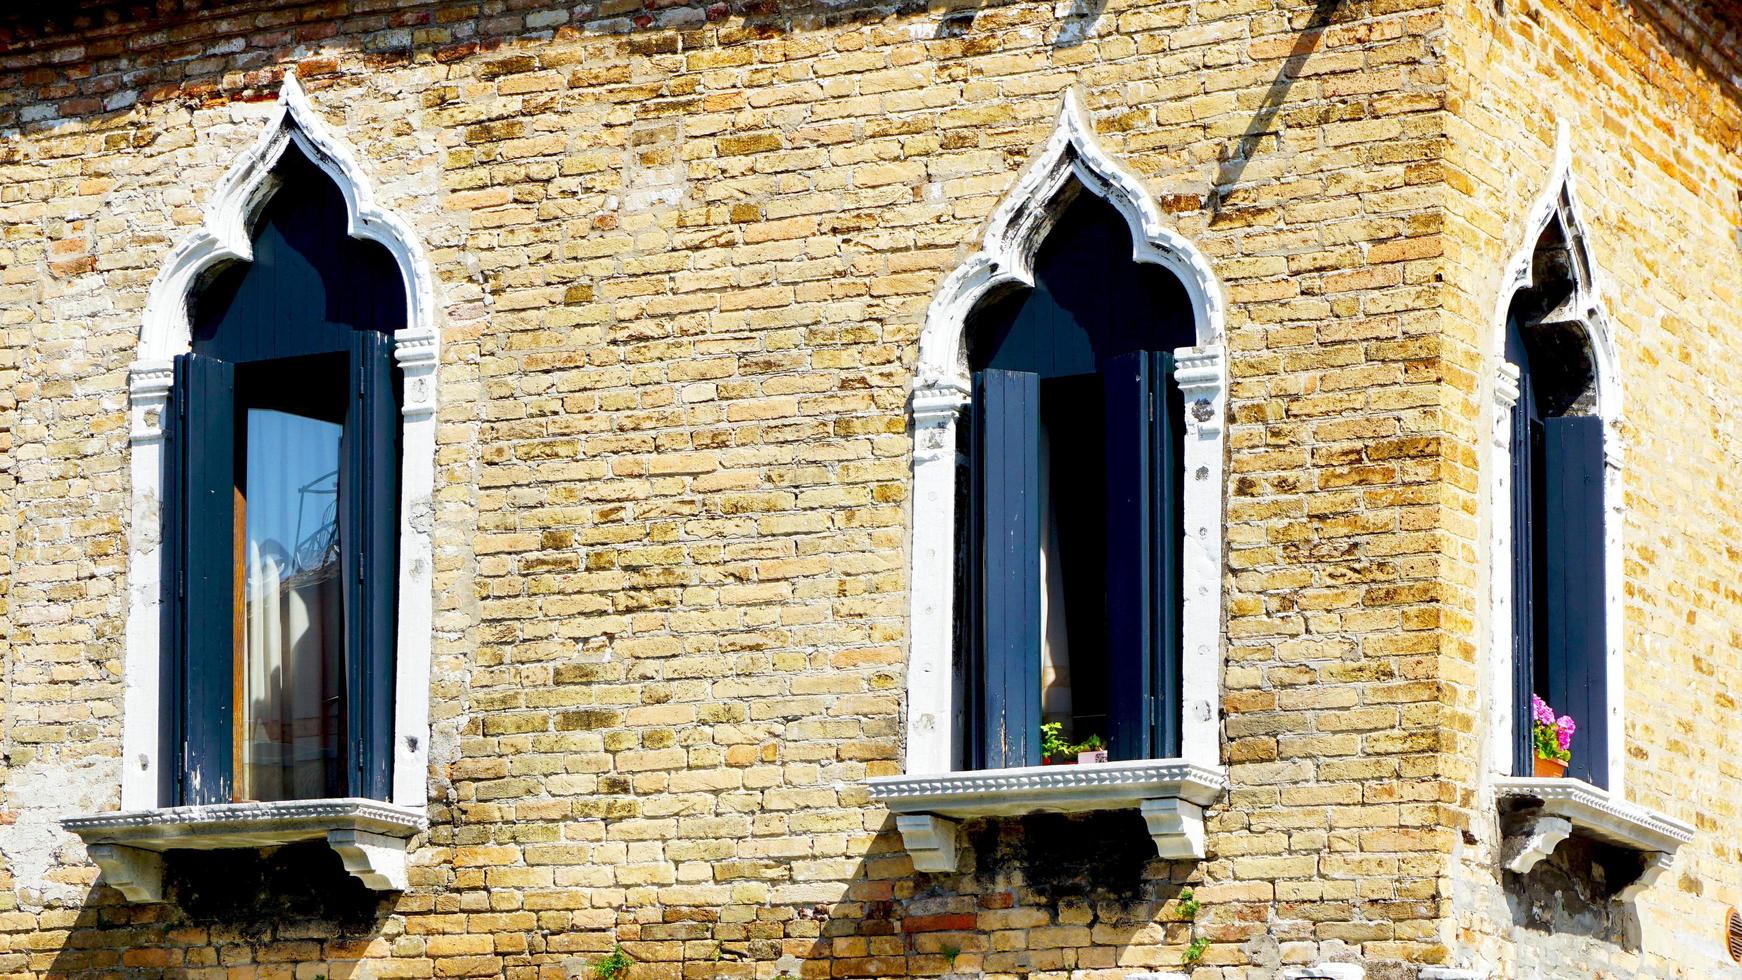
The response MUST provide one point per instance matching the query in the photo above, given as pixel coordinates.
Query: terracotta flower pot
(1550, 768)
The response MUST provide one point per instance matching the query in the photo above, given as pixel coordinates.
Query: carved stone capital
(1506, 385)
(938, 402)
(930, 841)
(415, 352)
(935, 409)
(135, 873)
(1202, 376)
(148, 386)
(1177, 827)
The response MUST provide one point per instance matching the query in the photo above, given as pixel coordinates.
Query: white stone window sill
(369, 835)
(1172, 794)
(1549, 810)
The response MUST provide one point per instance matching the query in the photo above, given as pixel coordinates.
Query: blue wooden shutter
(1525, 526)
(199, 635)
(1167, 438)
(369, 539)
(1128, 384)
(1007, 483)
(1577, 649)
(1142, 428)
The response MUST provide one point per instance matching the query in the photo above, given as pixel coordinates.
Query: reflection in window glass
(293, 634)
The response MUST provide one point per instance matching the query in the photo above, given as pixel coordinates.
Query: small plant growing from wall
(1188, 906)
(1195, 951)
(1187, 911)
(613, 967)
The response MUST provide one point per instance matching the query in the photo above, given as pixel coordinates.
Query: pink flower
(1540, 712)
(1564, 729)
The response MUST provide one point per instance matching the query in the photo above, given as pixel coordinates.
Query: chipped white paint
(1071, 162)
(224, 238)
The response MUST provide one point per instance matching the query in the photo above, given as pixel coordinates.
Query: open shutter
(1575, 634)
(1143, 556)
(369, 538)
(1167, 438)
(1526, 526)
(1131, 676)
(199, 602)
(1007, 484)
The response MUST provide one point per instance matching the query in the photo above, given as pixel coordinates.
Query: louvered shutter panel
(369, 538)
(1142, 427)
(1574, 637)
(200, 582)
(1007, 483)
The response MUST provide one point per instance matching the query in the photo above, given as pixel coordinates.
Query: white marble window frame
(1584, 309)
(224, 238)
(1071, 162)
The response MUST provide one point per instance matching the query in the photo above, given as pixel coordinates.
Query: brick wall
(1651, 127)
(684, 252)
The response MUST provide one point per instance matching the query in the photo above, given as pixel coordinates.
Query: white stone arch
(1071, 162)
(1583, 309)
(223, 238)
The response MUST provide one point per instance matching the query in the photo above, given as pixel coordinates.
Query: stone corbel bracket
(1548, 811)
(1171, 794)
(370, 836)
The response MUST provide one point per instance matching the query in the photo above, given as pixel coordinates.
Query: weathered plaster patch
(35, 848)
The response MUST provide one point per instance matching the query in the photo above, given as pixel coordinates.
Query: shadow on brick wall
(1570, 895)
(1042, 893)
(227, 909)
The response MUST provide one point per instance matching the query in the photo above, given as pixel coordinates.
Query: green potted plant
(1054, 750)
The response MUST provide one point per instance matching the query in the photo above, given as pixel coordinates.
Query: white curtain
(291, 634)
(1055, 647)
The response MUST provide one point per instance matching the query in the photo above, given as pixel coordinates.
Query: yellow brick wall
(1652, 127)
(683, 255)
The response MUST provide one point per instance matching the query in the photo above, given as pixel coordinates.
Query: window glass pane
(292, 681)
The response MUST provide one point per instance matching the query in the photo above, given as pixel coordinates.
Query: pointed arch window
(1070, 607)
(281, 515)
(1559, 564)
(1067, 523)
(282, 442)
(1557, 559)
